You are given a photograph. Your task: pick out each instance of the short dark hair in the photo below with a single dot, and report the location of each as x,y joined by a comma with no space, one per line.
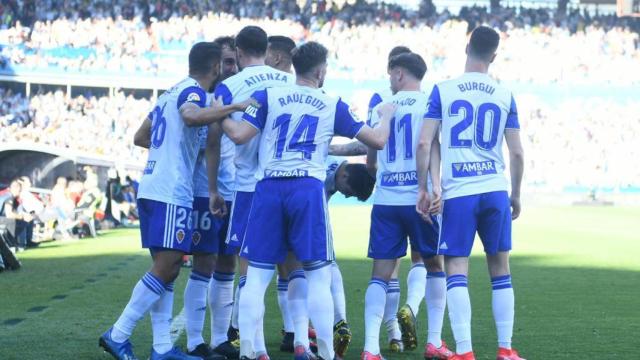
203,56
411,62
281,43
228,41
483,43
399,50
252,40
359,180
307,56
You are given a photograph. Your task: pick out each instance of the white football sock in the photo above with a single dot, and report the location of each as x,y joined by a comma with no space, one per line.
459,312
390,317
416,283
374,305
146,292
259,345
337,292
320,305
252,303
161,313
195,307
236,301
283,304
436,299
503,302
297,294
221,305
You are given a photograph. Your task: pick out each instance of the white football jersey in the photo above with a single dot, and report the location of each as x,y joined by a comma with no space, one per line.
332,164
397,179
474,111
226,168
297,124
237,88
174,147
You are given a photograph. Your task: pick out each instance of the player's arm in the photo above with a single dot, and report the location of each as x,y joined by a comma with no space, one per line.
217,205
192,104
253,120
377,137
516,158
434,173
424,160
354,148
142,137
372,161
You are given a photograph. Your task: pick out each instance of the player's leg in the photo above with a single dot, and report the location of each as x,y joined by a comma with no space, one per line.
416,282
387,243
390,318
310,239
164,228
341,331
297,301
204,248
494,228
456,240
283,304
263,253
221,295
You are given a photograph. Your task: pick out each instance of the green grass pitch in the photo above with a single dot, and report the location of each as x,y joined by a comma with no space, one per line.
576,275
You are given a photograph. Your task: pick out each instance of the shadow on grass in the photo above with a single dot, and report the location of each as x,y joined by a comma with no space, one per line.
561,312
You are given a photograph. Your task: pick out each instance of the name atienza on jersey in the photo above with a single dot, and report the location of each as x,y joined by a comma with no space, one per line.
239,88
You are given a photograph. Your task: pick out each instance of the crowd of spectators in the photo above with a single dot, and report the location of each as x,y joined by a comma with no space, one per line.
76,123
539,45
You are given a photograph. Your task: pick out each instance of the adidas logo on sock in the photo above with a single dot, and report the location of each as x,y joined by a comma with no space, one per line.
444,246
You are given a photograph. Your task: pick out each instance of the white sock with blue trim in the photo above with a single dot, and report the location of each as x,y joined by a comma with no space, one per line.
436,300
298,290
320,305
161,314
236,301
146,292
374,305
221,305
283,304
459,312
416,284
195,307
252,304
392,304
337,292
503,303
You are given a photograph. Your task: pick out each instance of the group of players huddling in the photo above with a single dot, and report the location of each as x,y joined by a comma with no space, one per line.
238,175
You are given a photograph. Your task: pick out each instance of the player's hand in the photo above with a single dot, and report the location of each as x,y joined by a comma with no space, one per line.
217,205
423,205
436,201
387,110
515,207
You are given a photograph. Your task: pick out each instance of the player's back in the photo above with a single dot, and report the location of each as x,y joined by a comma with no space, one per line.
474,110
396,180
239,88
174,147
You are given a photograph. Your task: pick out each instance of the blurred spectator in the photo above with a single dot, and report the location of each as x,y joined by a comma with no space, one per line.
12,209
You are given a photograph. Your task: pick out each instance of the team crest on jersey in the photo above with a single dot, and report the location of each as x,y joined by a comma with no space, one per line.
195,238
180,236
193,97
353,115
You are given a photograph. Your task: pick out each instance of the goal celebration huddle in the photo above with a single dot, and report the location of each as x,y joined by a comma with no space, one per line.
239,176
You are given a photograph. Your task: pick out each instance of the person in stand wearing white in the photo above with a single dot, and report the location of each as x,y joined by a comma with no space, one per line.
475,114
